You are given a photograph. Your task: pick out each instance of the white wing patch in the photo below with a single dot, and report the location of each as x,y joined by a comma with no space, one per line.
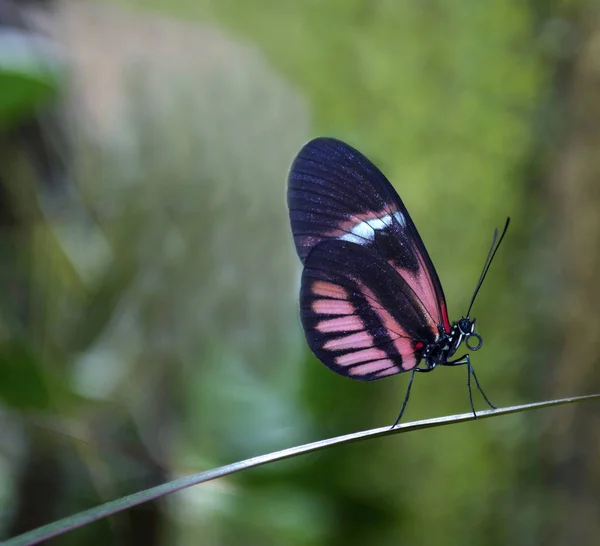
364,232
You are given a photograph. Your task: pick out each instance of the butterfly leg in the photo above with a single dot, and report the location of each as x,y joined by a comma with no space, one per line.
472,370
406,397
469,368
466,359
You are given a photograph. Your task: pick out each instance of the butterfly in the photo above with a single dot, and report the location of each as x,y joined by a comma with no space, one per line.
371,302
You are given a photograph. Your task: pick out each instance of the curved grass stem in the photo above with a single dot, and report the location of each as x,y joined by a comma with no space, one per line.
112,507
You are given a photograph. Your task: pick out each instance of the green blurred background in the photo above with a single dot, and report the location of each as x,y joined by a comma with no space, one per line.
149,318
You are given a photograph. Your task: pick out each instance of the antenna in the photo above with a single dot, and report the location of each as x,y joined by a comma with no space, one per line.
488,261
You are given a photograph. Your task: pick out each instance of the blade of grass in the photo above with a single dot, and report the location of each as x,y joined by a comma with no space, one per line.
112,507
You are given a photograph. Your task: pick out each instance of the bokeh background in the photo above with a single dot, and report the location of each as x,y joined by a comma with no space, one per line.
148,313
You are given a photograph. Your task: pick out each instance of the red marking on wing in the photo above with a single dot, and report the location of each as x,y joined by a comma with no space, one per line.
445,316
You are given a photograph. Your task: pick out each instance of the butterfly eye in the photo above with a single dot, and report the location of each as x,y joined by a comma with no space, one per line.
466,326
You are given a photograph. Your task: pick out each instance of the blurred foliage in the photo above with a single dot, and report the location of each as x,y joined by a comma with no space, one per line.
29,75
156,315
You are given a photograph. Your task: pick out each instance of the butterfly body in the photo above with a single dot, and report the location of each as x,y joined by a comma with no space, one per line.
371,302
440,352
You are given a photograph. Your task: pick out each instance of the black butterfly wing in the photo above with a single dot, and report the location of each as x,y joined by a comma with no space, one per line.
360,317
335,192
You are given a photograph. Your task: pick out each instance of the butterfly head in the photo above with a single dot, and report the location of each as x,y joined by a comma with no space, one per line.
466,327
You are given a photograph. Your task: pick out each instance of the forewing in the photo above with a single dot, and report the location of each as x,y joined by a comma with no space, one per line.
360,317
335,192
